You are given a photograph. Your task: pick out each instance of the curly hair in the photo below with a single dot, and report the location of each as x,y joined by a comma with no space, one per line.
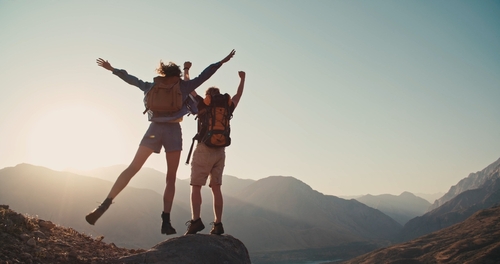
169,70
212,91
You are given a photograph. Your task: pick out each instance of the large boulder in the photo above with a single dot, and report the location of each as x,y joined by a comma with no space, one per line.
199,248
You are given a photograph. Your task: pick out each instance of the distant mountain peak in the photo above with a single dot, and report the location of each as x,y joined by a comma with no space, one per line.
480,193
407,194
473,181
473,241
285,183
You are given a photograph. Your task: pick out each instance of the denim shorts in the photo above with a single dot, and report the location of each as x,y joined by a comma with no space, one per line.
207,162
168,135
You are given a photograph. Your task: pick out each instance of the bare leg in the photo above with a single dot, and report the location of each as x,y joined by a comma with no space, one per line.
141,156
121,182
218,202
195,202
195,225
172,165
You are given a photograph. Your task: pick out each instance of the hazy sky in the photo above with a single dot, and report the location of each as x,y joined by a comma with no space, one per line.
351,97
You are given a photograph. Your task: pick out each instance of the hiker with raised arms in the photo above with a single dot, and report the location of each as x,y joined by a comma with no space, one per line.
165,102
214,114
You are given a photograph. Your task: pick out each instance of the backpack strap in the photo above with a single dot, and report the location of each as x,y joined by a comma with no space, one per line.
194,139
191,104
191,149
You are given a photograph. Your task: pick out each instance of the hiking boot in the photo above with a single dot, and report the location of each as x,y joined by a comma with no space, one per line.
217,229
94,215
194,226
166,227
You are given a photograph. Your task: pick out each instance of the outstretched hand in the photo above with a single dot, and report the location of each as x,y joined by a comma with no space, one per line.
241,74
105,64
228,57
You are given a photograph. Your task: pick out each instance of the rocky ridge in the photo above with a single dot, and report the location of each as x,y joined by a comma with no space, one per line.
27,239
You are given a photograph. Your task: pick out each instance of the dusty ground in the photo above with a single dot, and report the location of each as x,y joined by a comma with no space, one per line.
26,239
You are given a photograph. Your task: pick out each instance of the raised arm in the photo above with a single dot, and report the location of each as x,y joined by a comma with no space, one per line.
239,92
207,73
105,64
130,79
187,66
228,57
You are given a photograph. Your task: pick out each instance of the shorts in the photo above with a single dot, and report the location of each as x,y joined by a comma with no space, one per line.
207,162
168,135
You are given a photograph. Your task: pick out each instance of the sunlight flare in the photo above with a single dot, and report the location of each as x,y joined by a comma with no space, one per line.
77,136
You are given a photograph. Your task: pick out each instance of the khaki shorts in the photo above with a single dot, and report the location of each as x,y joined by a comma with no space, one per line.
207,162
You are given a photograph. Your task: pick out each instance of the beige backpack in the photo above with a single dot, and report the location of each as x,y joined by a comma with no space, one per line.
165,97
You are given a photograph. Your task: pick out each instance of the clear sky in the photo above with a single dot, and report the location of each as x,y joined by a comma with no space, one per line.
351,97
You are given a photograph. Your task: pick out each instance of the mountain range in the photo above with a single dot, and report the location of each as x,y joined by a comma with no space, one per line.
460,207
473,241
473,181
274,214
277,218
401,208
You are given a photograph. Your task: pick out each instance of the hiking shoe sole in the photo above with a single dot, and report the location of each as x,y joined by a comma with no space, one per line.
92,217
168,231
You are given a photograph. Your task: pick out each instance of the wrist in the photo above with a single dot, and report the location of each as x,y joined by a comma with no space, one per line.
186,68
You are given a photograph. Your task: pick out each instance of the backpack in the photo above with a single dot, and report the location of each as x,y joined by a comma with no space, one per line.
213,122
165,97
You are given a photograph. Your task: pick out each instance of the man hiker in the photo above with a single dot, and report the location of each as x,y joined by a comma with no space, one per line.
209,160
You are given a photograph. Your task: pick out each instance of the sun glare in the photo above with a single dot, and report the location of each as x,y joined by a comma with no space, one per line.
73,136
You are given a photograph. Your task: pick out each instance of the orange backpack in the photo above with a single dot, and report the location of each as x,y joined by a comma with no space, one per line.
213,122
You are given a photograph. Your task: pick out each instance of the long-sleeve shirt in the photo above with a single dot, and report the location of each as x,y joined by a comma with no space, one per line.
186,88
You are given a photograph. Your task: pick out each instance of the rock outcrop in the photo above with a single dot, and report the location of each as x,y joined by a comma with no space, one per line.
199,248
